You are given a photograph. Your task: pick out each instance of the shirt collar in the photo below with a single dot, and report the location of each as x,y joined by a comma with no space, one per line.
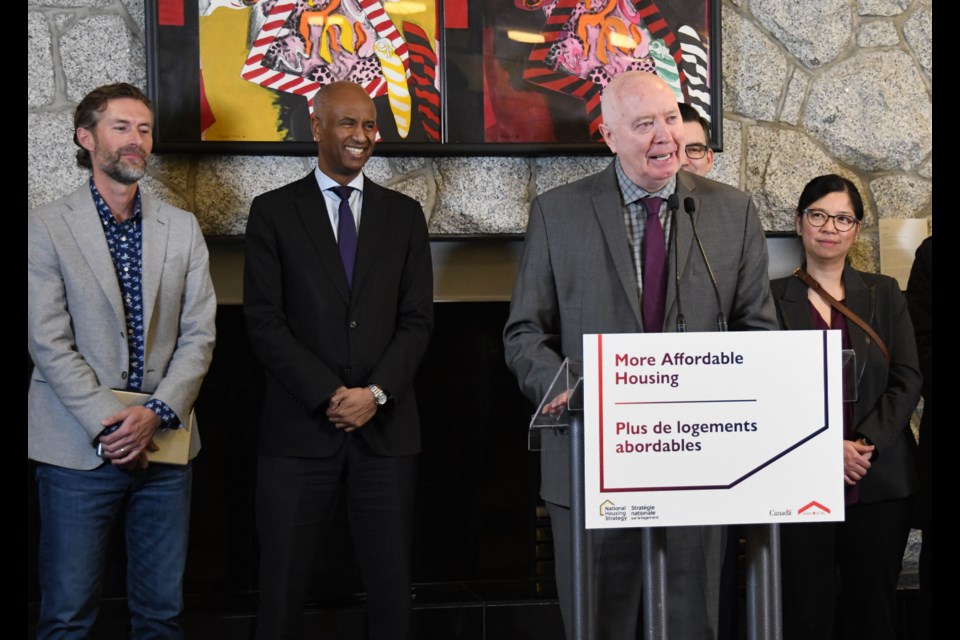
103,209
632,192
326,182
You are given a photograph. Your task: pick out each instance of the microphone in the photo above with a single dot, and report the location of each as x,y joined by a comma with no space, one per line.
690,206
673,203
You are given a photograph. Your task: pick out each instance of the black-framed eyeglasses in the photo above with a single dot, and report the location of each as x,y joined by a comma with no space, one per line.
842,221
695,150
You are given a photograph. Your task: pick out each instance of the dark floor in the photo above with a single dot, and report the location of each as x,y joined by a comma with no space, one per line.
450,611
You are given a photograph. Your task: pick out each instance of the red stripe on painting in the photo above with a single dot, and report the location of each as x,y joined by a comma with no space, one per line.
170,13
206,113
538,55
277,77
455,14
289,85
254,74
647,9
583,89
429,115
657,25
307,88
420,50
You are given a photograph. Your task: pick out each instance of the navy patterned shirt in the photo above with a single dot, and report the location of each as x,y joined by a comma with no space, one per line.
125,240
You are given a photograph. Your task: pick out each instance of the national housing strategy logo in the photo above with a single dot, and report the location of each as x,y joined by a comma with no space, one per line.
813,508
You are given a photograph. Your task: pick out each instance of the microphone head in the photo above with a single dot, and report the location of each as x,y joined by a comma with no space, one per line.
689,205
673,202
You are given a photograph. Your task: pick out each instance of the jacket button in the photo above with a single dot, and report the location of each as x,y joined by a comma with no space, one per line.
353,324
123,375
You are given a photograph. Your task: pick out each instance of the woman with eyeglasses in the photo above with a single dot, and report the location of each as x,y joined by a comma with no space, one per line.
839,579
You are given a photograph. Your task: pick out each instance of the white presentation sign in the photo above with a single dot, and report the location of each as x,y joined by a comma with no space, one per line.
712,428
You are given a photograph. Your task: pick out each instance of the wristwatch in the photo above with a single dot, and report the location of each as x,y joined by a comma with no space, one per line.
378,395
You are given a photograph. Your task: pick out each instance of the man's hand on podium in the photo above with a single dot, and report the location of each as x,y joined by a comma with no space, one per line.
558,404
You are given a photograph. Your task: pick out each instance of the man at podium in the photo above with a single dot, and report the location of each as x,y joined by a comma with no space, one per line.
600,256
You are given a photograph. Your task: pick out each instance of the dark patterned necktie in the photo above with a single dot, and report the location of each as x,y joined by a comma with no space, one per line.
654,267
347,232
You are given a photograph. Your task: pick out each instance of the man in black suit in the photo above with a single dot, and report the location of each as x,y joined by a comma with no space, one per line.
338,298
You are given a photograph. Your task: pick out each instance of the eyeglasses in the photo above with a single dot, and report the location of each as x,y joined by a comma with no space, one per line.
842,222
695,151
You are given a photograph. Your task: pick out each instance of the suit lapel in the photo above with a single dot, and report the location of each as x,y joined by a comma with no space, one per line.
794,308
608,208
87,228
680,226
155,230
373,228
312,211
860,300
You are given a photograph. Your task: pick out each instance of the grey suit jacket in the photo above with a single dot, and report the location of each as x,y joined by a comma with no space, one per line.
576,276
77,331
886,395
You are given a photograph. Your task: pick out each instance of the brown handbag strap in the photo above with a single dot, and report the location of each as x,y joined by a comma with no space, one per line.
808,280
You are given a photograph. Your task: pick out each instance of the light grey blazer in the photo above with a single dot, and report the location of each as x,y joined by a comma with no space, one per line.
76,331
576,276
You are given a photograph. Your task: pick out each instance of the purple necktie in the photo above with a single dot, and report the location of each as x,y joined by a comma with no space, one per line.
654,267
347,232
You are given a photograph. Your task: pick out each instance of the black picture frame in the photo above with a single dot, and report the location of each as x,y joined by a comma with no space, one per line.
480,68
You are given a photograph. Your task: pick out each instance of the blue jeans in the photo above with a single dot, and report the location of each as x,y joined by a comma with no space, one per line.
78,511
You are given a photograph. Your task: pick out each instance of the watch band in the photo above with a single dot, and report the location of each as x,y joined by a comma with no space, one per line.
378,395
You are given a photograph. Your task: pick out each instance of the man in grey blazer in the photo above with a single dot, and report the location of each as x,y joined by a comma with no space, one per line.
119,298
582,271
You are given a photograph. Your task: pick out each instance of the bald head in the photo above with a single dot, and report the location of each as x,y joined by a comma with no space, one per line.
628,86
336,91
642,125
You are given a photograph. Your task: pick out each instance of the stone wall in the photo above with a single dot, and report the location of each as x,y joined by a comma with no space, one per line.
808,87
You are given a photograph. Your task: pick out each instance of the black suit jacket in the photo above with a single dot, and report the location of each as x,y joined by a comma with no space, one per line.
312,333
920,303
886,395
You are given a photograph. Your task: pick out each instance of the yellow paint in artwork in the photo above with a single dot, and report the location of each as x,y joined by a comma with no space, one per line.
423,14
244,111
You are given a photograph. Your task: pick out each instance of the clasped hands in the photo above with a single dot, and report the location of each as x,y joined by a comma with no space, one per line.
856,460
350,409
127,447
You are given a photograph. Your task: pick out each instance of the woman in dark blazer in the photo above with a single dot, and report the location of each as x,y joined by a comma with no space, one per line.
879,473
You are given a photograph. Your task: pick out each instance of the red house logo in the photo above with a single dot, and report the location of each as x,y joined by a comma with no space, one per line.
813,508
